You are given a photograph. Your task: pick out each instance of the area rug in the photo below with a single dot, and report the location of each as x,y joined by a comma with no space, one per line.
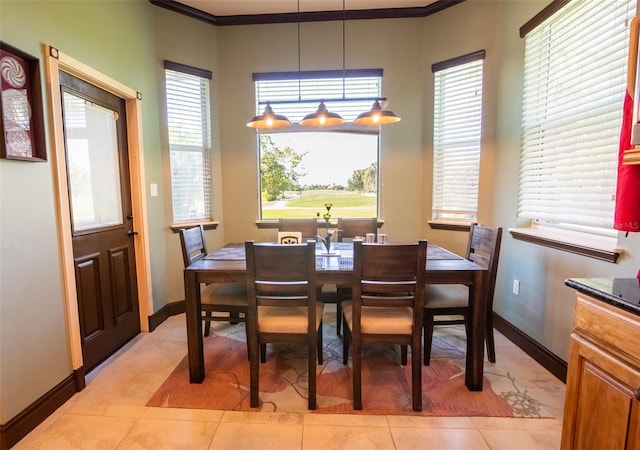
386,385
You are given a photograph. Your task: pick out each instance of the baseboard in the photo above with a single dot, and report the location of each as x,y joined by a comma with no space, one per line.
543,356
22,424
168,310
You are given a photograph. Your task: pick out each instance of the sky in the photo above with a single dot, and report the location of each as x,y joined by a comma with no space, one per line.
332,157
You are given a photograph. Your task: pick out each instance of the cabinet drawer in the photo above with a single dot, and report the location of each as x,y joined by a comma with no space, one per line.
617,330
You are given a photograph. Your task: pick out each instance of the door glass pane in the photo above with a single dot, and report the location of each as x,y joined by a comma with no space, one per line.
92,158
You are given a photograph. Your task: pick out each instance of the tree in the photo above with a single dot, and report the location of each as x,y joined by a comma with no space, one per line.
364,180
280,168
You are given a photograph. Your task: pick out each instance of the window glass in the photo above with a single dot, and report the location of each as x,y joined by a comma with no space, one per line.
574,82
189,127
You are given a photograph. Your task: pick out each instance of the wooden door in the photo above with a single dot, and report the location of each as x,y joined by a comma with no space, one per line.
101,219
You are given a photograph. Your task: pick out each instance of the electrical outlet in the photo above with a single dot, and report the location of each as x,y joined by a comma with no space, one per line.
516,287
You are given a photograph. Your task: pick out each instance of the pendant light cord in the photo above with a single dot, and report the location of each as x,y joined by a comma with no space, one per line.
344,65
299,82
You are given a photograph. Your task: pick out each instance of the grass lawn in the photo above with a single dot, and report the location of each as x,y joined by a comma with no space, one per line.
309,203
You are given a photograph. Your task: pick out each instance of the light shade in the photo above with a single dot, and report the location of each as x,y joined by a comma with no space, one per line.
322,118
269,119
376,116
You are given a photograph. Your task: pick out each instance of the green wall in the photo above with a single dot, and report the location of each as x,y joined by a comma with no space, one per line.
128,41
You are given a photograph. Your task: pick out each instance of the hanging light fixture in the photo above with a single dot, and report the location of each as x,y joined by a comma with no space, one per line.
322,117
376,116
269,119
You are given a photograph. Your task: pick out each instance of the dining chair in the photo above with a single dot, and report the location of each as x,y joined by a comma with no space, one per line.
483,249
350,228
308,227
386,307
289,237
227,298
283,306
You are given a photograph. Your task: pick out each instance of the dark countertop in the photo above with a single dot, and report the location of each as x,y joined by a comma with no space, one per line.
623,293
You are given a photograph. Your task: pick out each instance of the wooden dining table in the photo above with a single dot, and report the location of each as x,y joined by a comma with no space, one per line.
227,264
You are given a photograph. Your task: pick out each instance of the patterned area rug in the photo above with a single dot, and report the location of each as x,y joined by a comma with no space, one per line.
386,384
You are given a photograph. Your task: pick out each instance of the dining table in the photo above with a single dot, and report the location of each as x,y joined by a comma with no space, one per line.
227,264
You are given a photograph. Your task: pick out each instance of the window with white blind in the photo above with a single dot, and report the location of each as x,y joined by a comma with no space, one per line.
574,82
302,168
457,121
189,125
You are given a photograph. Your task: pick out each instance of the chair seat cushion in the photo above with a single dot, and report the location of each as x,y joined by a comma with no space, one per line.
380,320
232,294
280,319
446,296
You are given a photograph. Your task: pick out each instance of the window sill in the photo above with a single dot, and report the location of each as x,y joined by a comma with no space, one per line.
452,226
207,224
598,247
275,223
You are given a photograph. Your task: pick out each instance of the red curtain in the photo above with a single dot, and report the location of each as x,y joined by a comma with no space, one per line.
627,211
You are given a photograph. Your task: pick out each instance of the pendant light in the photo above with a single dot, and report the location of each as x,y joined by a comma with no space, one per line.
269,119
322,117
376,116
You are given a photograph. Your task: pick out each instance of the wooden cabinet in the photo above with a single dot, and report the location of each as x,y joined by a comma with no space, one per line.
602,404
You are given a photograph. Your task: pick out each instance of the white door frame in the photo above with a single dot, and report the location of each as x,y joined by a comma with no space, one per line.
57,61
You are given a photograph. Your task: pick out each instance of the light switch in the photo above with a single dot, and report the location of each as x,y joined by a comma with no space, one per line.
154,190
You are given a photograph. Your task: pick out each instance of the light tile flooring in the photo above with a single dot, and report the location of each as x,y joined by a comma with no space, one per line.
110,413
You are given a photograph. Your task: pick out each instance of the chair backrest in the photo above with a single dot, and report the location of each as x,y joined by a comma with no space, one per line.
289,237
351,227
281,275
484,249
308,227
389,275
194,247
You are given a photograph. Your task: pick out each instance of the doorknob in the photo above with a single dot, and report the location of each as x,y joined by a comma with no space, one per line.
131,233
637,392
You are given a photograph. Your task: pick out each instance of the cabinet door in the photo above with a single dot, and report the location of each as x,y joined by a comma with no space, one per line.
601,410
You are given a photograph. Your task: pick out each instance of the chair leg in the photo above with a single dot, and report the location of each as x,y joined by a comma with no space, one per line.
338,315
357,373
207,323
254,374
491,346
234,317
319,344
428,337
416,374
311,363
263,353
403,355
346,342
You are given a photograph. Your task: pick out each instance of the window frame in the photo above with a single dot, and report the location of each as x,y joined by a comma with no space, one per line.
599,243
303,100
440,218
203,77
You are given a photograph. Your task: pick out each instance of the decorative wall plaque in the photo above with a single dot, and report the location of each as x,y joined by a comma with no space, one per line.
22,123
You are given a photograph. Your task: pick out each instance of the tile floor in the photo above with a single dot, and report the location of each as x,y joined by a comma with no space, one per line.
110,413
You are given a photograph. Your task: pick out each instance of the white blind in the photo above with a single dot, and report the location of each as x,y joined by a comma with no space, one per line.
189,126
456,139
574,84
295,95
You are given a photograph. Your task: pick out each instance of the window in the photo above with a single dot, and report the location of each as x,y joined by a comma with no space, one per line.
189,125
574,83
457,120
302,168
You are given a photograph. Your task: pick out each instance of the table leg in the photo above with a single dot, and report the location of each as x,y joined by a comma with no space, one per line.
194,327
475,340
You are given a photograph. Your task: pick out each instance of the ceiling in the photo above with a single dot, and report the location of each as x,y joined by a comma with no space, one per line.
245,12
